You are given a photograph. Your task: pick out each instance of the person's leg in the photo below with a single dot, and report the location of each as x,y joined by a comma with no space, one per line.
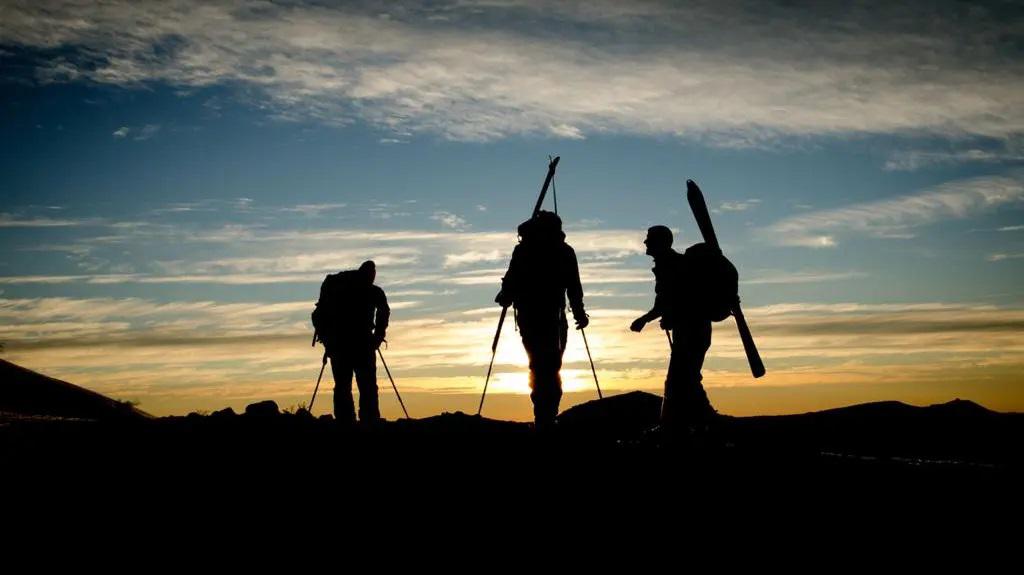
686,402
695,399
366,379
542,344
341,368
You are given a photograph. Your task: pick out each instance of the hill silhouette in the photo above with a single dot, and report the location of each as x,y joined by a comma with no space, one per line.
26,393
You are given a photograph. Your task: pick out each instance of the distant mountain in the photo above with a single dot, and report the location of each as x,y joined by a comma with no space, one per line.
957,407
24,392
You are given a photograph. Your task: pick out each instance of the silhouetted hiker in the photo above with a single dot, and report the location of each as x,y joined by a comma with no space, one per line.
677,303
542,271
351,319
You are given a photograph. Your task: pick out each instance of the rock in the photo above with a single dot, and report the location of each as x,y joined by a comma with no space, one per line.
619,416
226,412
266,408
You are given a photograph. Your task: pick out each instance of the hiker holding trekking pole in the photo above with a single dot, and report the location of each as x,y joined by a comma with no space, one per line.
351,319
543,271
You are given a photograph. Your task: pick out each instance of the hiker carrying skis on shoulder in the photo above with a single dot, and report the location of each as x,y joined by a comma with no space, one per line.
543,271
677,302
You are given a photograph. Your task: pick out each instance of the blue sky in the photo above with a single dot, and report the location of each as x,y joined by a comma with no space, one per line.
176,179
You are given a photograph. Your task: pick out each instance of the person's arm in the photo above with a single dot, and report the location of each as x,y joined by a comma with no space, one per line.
574,289
509,283
657,311
382,318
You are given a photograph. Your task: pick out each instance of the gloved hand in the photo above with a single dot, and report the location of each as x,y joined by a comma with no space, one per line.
638,324
378,338
582,320
502,299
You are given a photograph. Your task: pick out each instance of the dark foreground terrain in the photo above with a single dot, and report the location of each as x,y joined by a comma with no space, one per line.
601,452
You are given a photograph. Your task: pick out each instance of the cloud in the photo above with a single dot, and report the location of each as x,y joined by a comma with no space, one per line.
897,217
450,220
1004,151
1002,257
140,133
802,277
406,256
567,131
740,206
1011,228
313,209
474,257
12,221
732,74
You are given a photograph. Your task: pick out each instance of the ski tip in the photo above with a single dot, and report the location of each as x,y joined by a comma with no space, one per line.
692,185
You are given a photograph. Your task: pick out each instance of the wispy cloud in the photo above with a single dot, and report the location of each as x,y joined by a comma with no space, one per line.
801,277
1002,257
740,206
729,73
137,133
474,257
450,220
897,217
1011,228
313,209
12,221
1011,150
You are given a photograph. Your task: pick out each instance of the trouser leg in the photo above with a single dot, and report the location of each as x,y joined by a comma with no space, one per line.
544,345
366,379
686,403
344,408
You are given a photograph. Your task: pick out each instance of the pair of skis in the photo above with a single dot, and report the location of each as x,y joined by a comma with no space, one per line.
552,166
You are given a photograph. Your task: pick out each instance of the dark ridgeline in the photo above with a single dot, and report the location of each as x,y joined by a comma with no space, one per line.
351,320
884,440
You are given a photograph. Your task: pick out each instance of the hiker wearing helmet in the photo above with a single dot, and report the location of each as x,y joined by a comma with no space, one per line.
542,272
351,319
677,283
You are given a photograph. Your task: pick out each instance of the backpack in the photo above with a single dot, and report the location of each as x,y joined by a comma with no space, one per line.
715,281
334,291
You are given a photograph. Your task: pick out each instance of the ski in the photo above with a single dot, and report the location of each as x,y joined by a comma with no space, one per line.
700,212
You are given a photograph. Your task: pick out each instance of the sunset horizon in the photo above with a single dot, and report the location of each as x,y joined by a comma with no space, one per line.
179,178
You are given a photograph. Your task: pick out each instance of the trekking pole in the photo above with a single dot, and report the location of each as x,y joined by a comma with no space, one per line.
591,358
668,334
395,387
317,388
494,351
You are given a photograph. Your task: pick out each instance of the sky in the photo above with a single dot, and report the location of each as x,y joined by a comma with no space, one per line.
177,177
